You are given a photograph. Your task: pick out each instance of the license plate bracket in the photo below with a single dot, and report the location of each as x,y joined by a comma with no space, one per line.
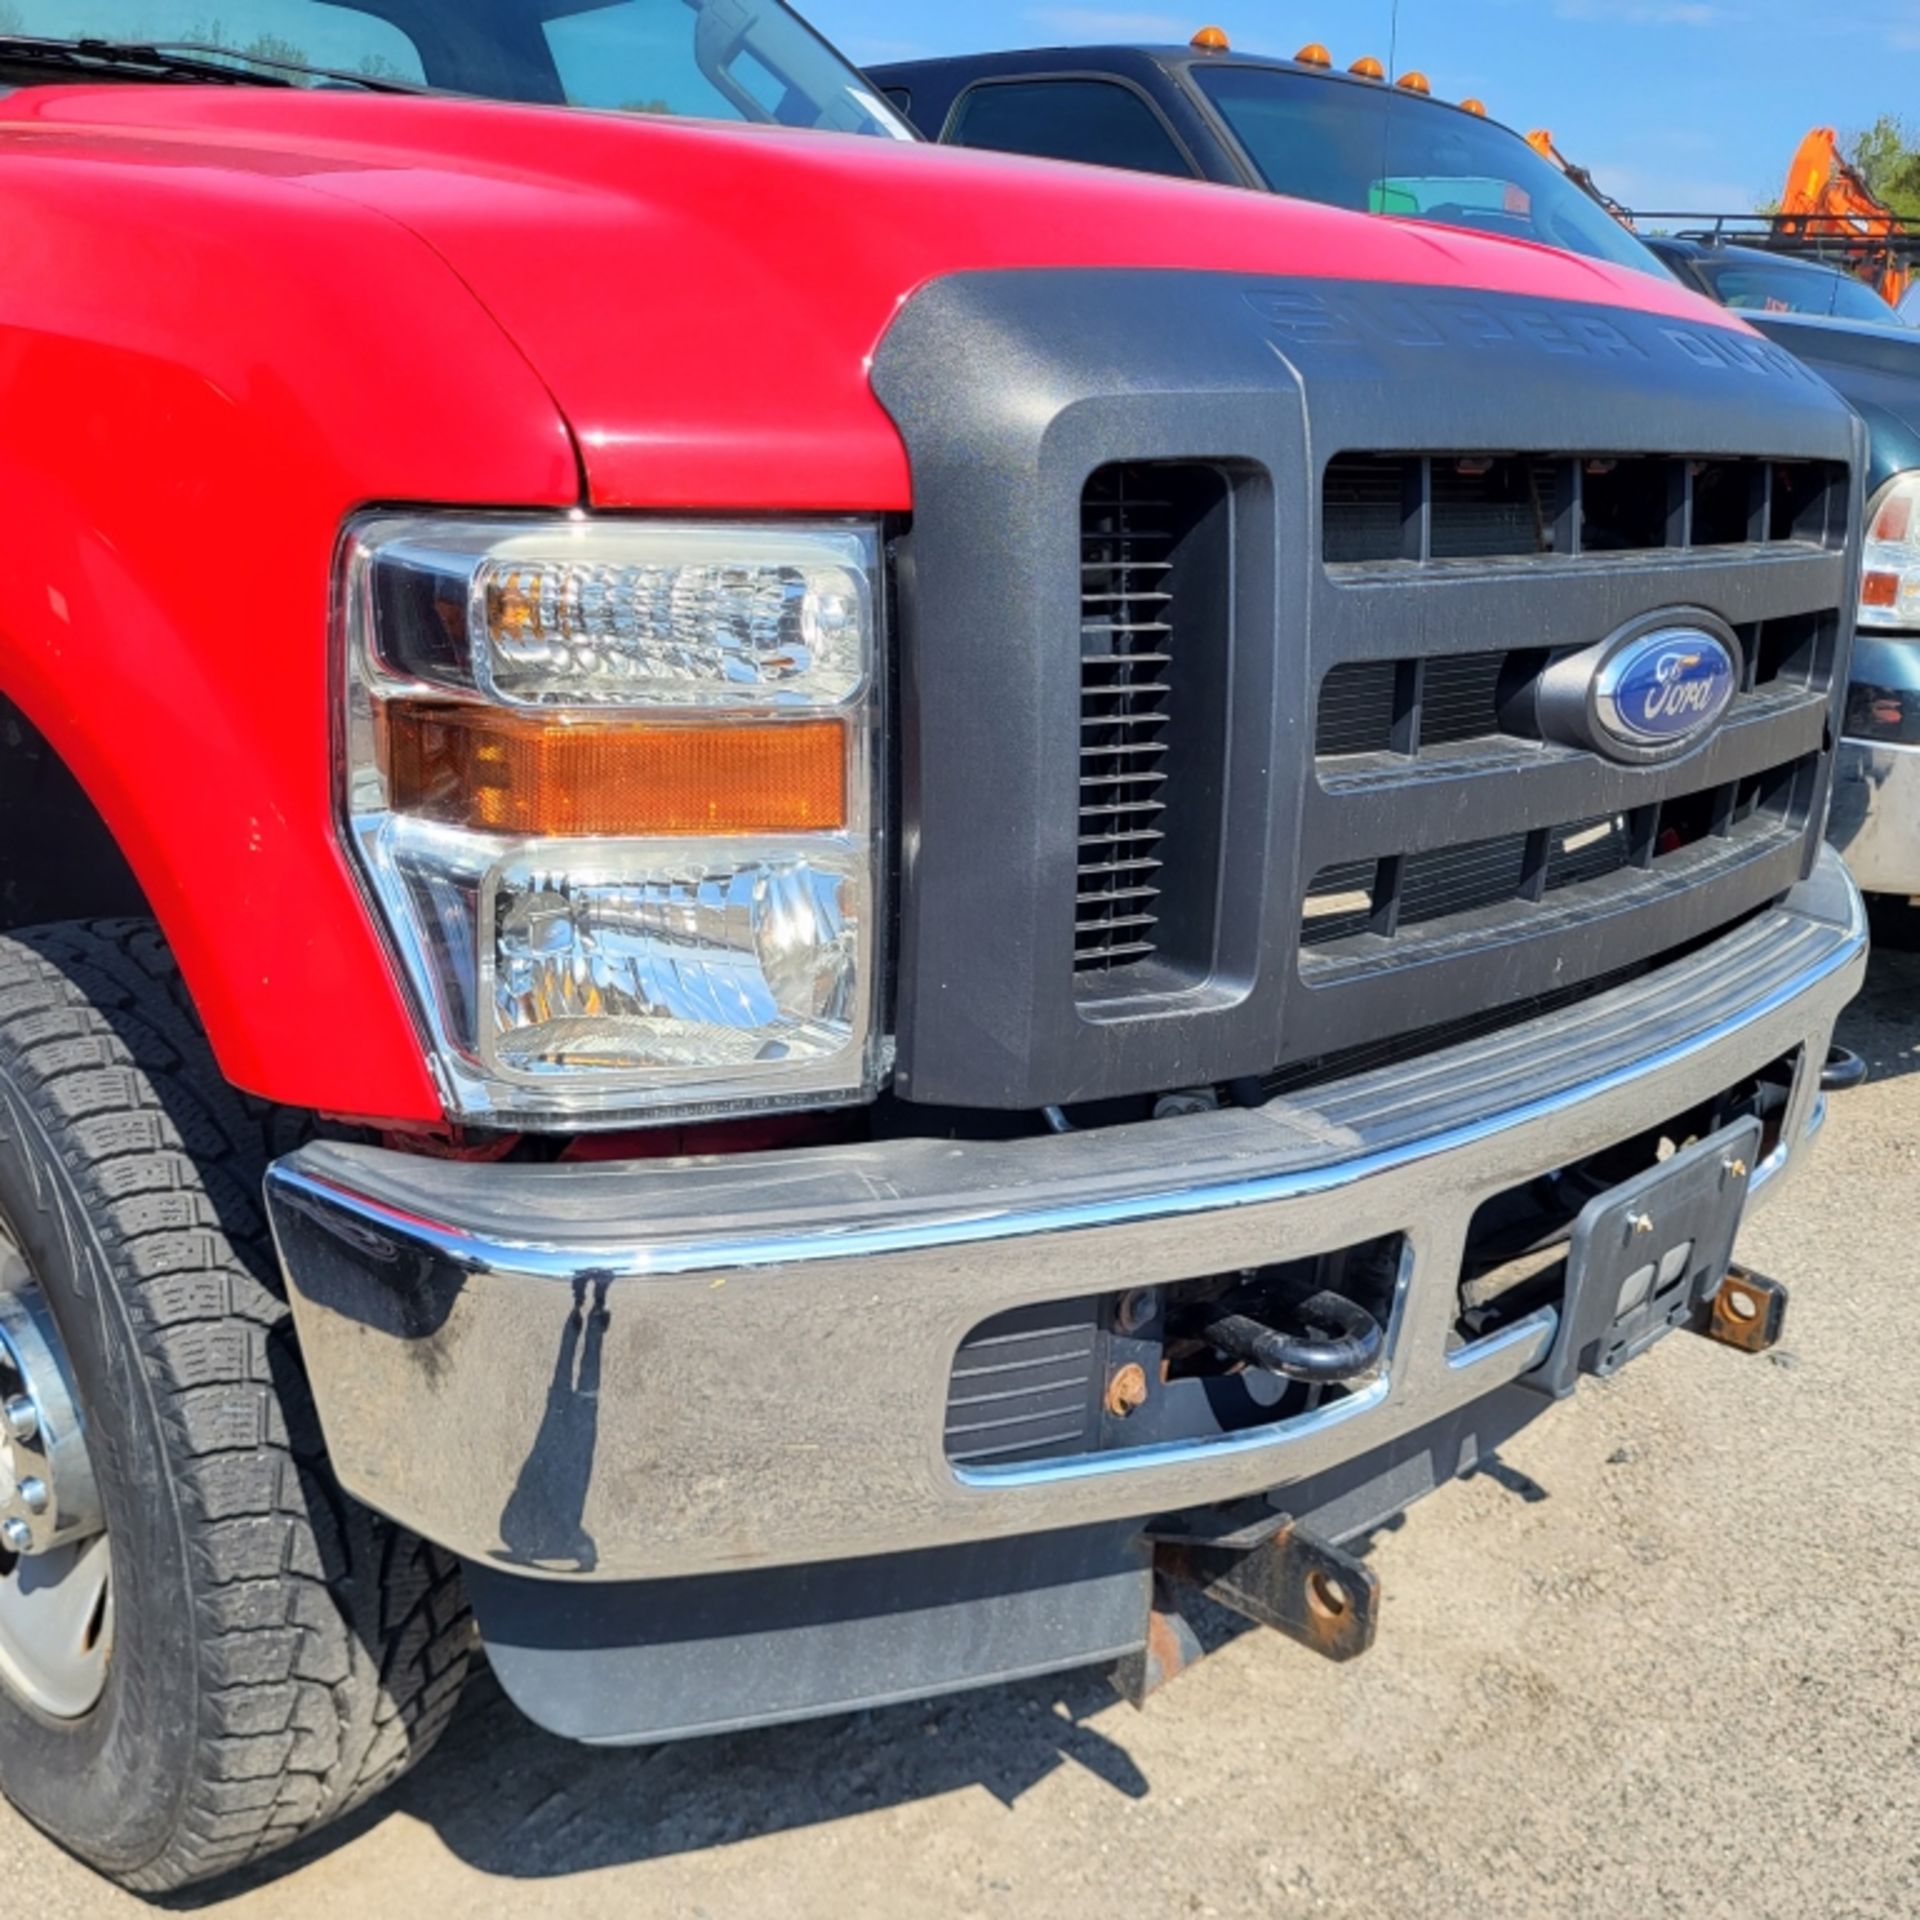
1647,1255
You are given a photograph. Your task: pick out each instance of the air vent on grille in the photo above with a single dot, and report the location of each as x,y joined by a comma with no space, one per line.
1152,677
1126,639
1381,508
1024,1385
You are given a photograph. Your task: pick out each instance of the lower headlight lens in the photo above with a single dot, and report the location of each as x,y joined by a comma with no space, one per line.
692,963
1890,570
621,896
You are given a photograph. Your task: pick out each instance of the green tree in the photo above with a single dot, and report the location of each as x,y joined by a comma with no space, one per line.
1887,156
270,46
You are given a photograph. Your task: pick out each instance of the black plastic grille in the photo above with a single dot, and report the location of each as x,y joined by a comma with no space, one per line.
1368,911
1413,509
1415,706
1127,534
1163,382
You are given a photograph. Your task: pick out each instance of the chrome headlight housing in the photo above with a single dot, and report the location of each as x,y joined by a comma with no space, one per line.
1890,569
611,784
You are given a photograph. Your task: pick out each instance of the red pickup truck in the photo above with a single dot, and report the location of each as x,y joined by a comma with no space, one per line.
797,916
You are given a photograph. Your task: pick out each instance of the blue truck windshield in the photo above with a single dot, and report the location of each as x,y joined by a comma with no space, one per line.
1787,288
1377,151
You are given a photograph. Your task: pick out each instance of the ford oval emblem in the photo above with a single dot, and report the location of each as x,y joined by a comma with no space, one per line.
1665,689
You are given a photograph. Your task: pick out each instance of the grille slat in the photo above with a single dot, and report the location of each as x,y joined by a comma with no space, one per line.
1465,697
1434,893
1448,508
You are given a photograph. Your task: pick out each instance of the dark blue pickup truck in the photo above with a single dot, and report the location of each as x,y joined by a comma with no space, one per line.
1353,139
1299,127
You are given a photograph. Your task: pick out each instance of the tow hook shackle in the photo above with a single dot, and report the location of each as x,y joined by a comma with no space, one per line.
1341,1341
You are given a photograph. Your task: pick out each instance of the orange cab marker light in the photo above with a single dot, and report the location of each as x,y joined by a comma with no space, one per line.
1880,590
497,772
1478,108
1213,40
1368,68
1313,54
1414,83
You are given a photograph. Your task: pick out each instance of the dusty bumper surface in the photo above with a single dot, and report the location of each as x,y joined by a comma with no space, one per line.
642,1372
1876,814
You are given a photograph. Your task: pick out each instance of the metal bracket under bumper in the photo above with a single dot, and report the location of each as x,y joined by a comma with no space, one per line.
638,1372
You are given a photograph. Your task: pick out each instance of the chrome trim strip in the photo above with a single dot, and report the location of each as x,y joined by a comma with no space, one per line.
1875,820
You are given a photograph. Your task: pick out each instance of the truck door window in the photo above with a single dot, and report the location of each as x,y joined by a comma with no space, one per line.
1098,122
1793,289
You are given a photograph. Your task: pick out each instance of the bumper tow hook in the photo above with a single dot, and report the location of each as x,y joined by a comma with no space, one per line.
1747,1313
1274,1573
1343,1341
1844,1071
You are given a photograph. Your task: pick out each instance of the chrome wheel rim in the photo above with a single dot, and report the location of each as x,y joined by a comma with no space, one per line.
56,1587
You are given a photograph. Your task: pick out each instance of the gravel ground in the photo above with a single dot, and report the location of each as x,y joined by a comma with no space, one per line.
1665,1659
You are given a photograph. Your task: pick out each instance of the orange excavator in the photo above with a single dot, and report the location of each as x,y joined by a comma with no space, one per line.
1827,213
1541,141
1827,198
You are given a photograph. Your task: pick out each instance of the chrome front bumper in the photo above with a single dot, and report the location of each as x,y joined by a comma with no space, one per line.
641,1371
1876,815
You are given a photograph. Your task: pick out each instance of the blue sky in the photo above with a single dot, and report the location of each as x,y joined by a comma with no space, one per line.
1680,104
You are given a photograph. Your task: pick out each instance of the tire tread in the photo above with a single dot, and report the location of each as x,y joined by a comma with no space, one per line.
332,1646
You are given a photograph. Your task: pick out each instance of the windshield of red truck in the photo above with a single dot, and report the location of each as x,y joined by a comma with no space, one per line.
1374,150
751,60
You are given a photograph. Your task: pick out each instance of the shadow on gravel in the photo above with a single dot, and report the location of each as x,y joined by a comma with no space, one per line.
511,1801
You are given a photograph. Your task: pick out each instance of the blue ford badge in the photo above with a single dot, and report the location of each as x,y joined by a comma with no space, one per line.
1665,689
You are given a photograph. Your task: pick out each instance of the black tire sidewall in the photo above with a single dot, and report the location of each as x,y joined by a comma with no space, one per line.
107,1784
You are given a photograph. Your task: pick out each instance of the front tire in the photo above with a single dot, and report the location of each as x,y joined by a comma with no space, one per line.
275,1654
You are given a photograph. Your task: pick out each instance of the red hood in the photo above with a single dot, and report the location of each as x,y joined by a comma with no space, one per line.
702,301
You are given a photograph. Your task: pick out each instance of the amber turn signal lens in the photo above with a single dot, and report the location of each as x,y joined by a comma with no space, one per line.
493,772
1880,590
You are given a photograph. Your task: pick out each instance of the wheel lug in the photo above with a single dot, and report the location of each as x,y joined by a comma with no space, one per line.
22,1418
17,1535
34,1493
